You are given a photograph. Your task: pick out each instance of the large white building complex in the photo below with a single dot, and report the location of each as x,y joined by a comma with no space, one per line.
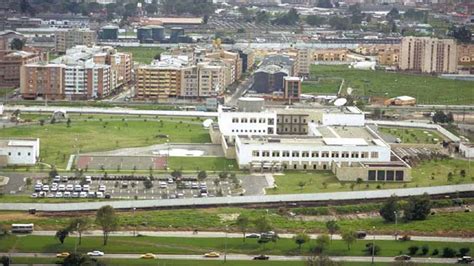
19,151
332,138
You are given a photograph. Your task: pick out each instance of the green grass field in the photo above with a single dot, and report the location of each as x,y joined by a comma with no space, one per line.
427,89
176,245
202,163
325,181
457,223
412,135
322,86
142,54
58,141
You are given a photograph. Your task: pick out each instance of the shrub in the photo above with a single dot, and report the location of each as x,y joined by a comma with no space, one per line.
413,250
424,250
464,251
435,252
449,252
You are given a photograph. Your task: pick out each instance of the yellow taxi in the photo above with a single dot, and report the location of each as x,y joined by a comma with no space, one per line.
212,255
62,255
148,256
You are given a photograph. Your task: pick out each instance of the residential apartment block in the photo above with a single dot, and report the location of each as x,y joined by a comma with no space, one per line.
466,58
68,38
428,55
11,63
82,73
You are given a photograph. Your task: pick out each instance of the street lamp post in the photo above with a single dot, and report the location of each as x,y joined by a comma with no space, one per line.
135,224
77,238
373,244
396,224
225,243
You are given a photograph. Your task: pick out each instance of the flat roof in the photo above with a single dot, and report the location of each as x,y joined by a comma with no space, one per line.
17,142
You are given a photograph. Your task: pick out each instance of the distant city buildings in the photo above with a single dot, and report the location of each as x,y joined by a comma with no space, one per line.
68,38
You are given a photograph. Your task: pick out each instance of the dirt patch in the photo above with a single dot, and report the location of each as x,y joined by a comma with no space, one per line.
228,217
18,216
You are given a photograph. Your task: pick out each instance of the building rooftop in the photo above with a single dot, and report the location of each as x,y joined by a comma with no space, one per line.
18,142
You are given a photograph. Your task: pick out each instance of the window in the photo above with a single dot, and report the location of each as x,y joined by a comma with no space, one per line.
364,155
235,120
305,154
261,120
265,154
399,175
286,154
243,120
390,175
374,154
335,154
371,176
295,154
345,155
325,154
380,175
355,155
19,154
275,154
315,154
256,153
9,154
29,153
253,120
271,121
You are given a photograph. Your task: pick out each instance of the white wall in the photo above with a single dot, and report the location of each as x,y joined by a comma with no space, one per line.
466,150
22,154
245,156
260,127
338,119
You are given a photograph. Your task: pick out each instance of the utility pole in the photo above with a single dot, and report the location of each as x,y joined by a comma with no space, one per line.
373,245
225,244
396,223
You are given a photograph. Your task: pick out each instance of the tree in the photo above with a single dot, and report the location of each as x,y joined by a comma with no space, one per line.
68,122
315,20
324,4
332,227
356,14
448,252
417,208
321,260
412,250
393,14
243,223
462,34
147,183
301,184
300,239
349,237
464,251
371,249
462,173
5,260
107,220
3,229
17,44
202,175
389,209
322,241
339,23
75,259
262,17
79,225
177,174
425,249
25,7
53,173
62,234
262,224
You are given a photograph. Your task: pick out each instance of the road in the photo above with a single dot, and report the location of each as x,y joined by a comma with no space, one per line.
239,91
240,257
190,234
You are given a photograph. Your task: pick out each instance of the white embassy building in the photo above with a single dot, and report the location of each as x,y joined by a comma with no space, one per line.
19,151
308,139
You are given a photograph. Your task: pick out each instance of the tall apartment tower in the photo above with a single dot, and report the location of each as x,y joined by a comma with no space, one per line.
68,38
303,62
428,55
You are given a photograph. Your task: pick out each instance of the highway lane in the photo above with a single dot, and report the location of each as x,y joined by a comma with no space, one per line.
241,257
203,234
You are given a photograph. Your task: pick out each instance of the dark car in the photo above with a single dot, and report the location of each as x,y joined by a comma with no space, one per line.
252,236
361,234
465,260
403,257
261,257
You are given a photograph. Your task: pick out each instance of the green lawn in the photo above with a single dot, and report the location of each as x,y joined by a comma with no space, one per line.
176,245
325,181
58,141
190,262
458,223
413,135
427,89
5,91
321,86
142,54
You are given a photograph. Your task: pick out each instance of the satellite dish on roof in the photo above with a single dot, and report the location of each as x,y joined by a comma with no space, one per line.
340,102
349,90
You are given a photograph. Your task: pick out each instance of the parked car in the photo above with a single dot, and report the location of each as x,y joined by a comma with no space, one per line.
102,188
61,187
212,254
361,234
70,187
83,194
95,253
78,188
405,238
252,236
88,179
45,188
261,257
67,194
402,257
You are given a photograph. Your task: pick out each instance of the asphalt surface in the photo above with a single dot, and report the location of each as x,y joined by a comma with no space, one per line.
239,257
188,234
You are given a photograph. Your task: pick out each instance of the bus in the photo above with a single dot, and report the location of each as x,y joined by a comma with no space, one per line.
22,228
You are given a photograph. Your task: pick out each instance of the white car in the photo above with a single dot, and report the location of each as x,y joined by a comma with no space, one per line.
75,194
163,185
78,188
51,195
170,181
83,195
59,195
70,187
61,187
54,189
86,188
100,195
96,253
34,195
102,188
88,179
45,188
67,194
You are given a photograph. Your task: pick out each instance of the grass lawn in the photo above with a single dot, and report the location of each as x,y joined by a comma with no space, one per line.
58,141
412,135
176,245
427,89
5,91
202,163
142,54
321,86
190,262
216,219
325,181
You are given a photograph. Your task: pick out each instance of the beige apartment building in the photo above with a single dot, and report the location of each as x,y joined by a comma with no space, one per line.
466,58
330,55
428,55
158,81
10,66
211,79
68,38
303,61
42,80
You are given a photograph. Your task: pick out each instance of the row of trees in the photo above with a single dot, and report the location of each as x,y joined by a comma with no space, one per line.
106,219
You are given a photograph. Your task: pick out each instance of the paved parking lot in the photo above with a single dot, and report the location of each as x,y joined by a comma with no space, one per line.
131,187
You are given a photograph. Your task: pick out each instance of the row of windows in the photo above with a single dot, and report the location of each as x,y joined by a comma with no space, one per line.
248,131
314,154
252,120
19,154
382,175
